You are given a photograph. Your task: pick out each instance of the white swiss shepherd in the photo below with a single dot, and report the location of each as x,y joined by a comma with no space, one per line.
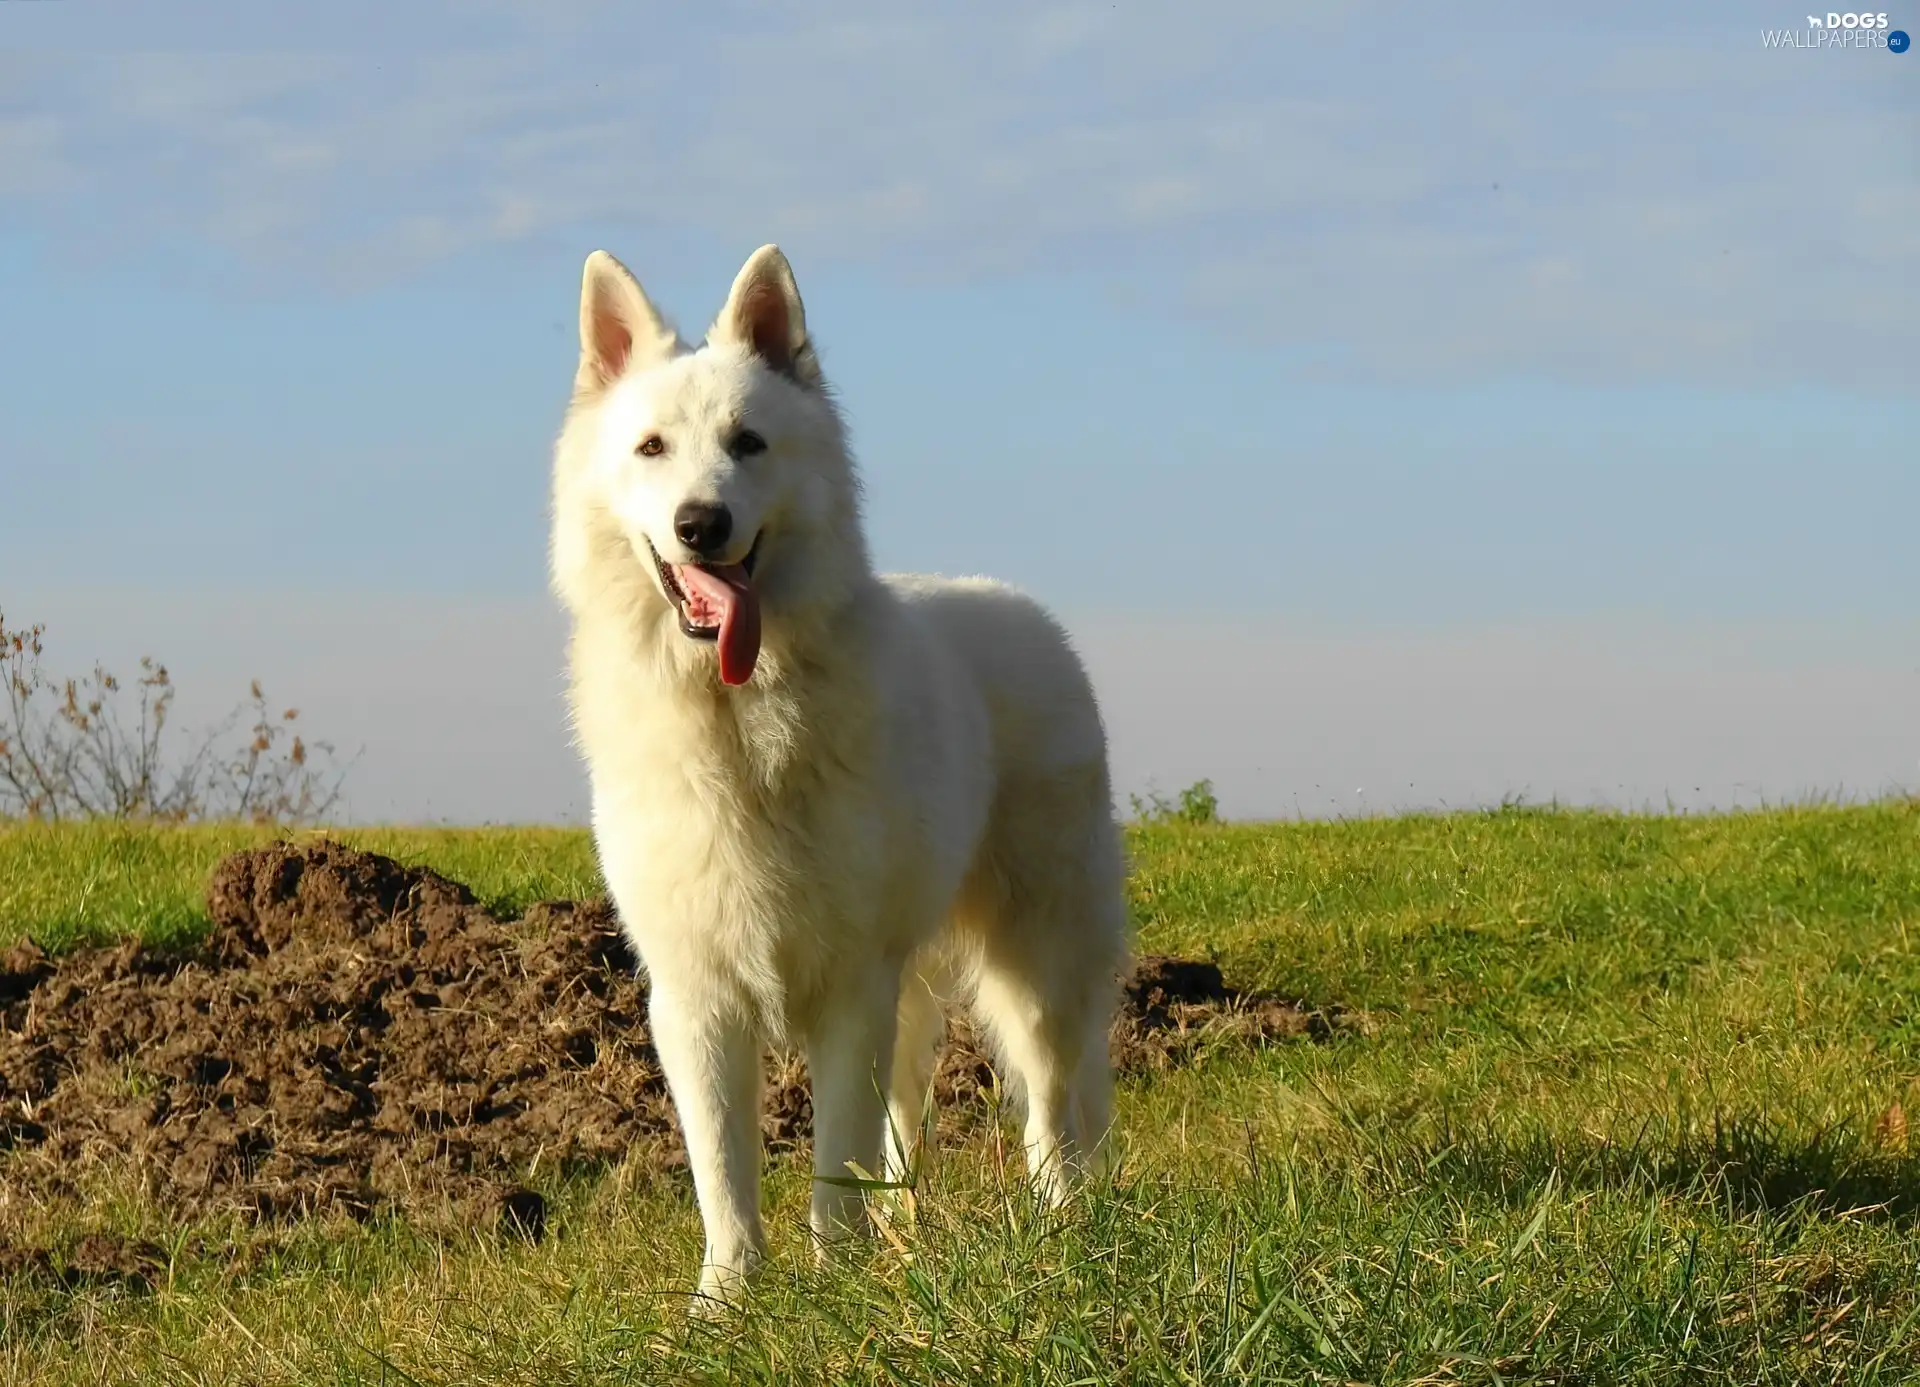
825,801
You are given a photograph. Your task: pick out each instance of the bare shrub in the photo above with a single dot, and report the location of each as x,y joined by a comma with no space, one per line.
95,747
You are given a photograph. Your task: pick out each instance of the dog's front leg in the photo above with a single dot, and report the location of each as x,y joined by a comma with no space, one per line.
849,1058
711,1056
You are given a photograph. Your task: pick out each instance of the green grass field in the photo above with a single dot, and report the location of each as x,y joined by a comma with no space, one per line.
1630,1108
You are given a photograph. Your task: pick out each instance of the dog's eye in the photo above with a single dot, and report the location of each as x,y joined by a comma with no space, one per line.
651,446
747,443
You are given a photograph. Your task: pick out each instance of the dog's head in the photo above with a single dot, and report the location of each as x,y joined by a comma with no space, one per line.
720,470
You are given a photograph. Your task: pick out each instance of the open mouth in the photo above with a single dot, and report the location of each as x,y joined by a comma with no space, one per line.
717,602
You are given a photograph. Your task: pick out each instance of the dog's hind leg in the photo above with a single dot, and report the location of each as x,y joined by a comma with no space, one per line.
1093,1098
915,1049
1042,1046
1047,910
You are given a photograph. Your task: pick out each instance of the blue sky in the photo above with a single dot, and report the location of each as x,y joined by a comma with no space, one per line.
1541,388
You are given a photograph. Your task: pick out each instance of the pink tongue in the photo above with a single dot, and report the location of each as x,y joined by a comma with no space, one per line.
729,593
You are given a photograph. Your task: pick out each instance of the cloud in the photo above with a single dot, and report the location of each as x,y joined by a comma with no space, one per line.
1426,198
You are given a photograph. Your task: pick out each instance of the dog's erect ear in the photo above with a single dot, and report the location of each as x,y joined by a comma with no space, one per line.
764,313
618,326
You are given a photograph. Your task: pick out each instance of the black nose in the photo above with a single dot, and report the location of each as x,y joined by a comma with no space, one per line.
703,527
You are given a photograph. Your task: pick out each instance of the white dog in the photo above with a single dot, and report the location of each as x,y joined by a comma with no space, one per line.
824,801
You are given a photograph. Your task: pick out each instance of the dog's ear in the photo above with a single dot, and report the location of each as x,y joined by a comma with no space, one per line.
764,314
618,326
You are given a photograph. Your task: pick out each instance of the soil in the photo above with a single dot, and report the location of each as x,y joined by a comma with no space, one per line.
355,1035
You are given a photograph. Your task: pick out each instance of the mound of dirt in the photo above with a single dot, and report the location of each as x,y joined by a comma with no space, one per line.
356,1034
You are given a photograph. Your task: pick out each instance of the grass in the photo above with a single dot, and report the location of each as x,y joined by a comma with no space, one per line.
1631,1109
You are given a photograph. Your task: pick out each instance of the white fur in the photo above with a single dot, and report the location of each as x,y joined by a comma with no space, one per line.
907,804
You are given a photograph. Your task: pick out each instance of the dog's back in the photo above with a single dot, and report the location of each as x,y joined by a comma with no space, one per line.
1039,699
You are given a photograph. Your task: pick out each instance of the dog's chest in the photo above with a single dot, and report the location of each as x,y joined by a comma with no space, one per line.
764,906
758,846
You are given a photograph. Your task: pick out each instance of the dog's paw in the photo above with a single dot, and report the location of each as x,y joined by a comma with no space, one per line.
722,1288
710,1305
